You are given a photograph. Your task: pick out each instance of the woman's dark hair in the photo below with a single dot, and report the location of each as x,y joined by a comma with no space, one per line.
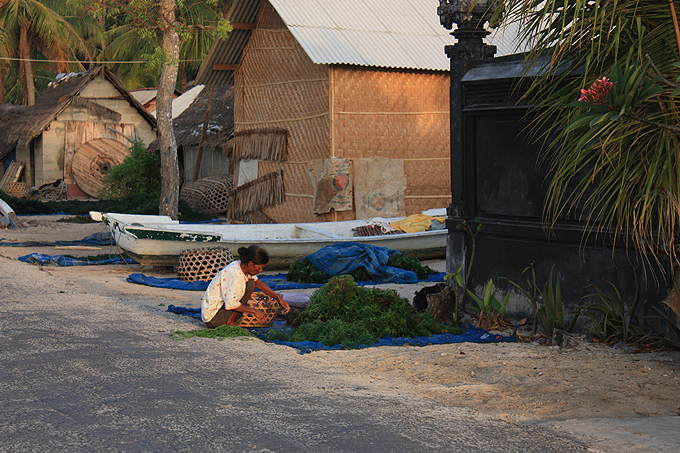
255,253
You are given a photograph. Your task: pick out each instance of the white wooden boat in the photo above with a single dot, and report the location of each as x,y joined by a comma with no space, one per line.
159,240
8,212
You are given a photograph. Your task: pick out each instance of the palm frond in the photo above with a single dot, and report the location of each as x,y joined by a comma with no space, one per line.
617,170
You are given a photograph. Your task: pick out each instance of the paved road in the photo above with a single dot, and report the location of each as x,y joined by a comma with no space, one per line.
84,370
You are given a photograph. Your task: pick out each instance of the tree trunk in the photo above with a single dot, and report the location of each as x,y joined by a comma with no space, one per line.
168,146
25,67
3,74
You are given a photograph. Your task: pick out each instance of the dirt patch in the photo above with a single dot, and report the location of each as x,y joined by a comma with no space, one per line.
525,381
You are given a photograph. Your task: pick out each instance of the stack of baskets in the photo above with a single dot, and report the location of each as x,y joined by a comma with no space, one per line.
202,264
264,303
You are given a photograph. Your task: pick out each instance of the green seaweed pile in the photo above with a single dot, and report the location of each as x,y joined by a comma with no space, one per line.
303,271
341,312
220,333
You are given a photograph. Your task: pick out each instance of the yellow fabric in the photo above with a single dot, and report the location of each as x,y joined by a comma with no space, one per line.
415,223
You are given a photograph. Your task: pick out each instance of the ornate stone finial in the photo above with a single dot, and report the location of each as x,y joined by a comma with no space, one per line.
468,14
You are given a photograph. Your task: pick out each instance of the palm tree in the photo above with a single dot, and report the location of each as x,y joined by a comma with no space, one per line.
163,23
35,31
132,45
608,100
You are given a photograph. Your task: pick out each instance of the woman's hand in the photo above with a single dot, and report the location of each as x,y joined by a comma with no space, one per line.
284,304
261,317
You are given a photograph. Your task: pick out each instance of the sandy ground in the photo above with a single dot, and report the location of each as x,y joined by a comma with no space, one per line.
515,381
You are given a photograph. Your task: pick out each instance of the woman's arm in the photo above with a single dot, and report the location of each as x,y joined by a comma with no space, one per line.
258,314
268,291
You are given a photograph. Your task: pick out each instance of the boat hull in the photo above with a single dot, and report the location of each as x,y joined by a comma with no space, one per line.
160,244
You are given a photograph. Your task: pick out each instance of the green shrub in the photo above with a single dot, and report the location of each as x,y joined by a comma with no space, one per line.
139,173
612,322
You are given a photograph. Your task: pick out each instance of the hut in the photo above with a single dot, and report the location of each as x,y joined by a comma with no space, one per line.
203,124
81,126
345,102
9,113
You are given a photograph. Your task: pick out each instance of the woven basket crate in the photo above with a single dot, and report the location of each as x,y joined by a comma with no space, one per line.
264,303
209,195
202,264
17,189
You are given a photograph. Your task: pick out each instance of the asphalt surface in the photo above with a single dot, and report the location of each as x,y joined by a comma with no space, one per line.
85,370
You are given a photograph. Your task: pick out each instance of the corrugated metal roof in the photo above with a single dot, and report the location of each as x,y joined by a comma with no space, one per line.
180,103
229,51
394,34
144,95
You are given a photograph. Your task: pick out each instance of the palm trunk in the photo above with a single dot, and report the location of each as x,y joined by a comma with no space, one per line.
168,145
3,73
25,67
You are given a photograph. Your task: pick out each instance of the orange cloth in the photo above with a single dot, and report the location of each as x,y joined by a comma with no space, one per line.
415,223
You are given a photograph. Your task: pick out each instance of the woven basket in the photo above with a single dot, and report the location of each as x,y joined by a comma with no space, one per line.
17,189
209,195
202,264
261,302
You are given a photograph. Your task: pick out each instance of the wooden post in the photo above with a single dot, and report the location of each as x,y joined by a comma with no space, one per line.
199,157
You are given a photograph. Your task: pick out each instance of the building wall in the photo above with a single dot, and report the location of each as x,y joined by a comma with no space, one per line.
49,154
52,159
278,86
213,162
341,111
397,114
103,92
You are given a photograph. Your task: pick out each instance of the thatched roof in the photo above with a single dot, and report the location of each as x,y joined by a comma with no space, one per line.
9,113
189,125
61,93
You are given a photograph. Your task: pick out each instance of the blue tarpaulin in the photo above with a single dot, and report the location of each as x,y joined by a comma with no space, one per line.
276,282
61,260
346,257
472,334
97,239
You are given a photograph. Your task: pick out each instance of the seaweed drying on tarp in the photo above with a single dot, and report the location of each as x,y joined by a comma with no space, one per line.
303,271
341,312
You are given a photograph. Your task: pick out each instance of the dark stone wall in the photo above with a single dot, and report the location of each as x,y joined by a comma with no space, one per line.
504,187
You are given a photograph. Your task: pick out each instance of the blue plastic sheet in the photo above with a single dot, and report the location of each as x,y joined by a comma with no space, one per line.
345,257
97,240
472,334
60,260
276,282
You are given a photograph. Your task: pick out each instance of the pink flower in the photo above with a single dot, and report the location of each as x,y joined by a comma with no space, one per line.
597,92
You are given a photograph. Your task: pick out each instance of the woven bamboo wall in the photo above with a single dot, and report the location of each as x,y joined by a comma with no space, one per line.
398,114
278,86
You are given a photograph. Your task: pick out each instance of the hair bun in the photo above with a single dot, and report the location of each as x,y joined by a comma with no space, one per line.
242,251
